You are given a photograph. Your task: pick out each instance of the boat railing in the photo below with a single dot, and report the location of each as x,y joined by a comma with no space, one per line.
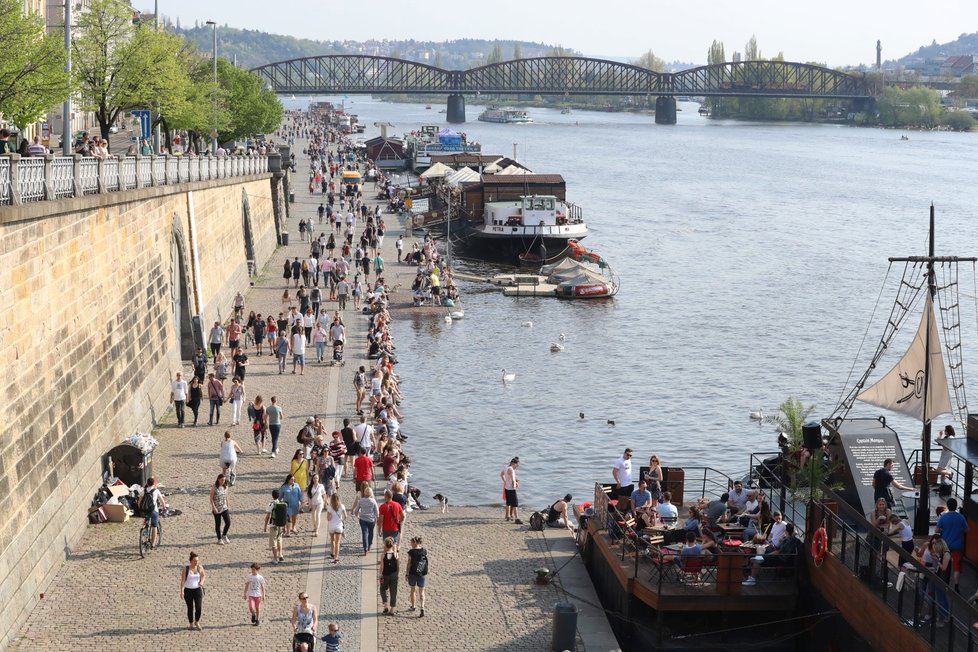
956,468
575,214
703,482
879,562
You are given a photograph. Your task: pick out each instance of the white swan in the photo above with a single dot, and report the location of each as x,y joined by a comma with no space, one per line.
561,337
756,416
508,377
556,348
527,324
448,319
458,314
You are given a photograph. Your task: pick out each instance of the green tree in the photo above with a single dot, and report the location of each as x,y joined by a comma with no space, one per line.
32,74
714,56
751,52
206,107
252,109
790,418
959,120
560,51
517,51
651,62
118,66
967,88
439,60
912,107
496,56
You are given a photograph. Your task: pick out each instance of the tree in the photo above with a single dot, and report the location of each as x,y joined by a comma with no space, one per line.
517,51
206,107
559,51
252,108
967,88
912,107
791,417
496,56
651,62
32,68
118,66
715,56
751,53
959,120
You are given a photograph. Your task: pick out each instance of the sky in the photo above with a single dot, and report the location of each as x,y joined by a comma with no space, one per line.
833,32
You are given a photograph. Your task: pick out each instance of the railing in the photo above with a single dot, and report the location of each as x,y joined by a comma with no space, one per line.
705,482
956,467
867,554
34,179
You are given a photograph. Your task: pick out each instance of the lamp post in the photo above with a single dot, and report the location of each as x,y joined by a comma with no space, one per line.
214,101
66,140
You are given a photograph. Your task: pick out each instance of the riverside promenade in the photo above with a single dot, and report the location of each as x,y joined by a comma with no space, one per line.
480,595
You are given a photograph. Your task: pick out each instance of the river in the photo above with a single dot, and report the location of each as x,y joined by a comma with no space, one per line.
751,256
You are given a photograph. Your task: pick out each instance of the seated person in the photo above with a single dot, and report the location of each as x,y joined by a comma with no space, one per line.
666,510
751,508
642,504
715,510
558,514
690,549
777,532
710,546
784,556
693,521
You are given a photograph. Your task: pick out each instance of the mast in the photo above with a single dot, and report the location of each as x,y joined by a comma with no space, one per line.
921,525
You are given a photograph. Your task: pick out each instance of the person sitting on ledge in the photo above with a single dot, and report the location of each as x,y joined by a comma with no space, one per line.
558,514
784,556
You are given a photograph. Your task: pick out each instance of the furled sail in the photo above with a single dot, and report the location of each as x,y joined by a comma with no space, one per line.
902,388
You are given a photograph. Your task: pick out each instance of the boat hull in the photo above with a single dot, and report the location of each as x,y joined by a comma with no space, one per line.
508,246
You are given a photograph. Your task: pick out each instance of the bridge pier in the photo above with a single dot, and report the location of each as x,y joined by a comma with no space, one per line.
665,110
456,108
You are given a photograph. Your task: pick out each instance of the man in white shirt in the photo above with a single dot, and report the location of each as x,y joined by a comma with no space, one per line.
297,346
622,473
666,509
178,394
364,433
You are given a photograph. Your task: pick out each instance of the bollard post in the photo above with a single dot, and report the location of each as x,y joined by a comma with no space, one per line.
76,184
16,196
49,176
139,177
564,634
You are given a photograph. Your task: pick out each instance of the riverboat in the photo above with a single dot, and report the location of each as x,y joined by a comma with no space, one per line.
504,115
431,140
530,223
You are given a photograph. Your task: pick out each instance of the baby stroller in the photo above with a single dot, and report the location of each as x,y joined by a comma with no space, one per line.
338,352
298,639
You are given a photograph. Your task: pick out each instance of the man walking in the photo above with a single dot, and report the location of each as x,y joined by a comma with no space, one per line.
216,339
510,484
275,415
178,394
215,393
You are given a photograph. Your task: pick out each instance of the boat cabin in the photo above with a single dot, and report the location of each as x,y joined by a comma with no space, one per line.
532,210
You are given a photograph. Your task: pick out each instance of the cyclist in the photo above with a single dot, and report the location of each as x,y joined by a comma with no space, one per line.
154,515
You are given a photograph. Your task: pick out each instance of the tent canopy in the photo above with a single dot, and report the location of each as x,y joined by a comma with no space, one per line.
514,169
437,170
462,175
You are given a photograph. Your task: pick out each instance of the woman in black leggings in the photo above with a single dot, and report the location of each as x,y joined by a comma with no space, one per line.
221,509
192,590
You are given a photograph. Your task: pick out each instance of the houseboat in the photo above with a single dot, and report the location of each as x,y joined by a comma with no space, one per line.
504,115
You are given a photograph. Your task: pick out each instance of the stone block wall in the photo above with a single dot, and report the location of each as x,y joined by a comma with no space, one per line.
89,342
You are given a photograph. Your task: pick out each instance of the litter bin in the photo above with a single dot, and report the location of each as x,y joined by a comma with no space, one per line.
291,197
285,238
564,635
130,465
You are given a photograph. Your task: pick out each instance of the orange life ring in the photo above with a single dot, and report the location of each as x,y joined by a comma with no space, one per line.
820,545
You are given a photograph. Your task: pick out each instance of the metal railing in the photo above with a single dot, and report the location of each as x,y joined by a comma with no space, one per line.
33,179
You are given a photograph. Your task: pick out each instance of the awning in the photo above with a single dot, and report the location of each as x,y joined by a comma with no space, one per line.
436,171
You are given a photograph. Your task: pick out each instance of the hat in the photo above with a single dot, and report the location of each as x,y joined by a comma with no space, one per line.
309,419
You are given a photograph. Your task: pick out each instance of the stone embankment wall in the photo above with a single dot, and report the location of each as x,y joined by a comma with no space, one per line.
97,296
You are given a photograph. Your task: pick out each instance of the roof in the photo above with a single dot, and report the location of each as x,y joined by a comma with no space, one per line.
377,140
516,179
467,159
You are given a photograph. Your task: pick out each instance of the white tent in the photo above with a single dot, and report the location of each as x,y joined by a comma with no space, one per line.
514,169
462,175
492,168
437,170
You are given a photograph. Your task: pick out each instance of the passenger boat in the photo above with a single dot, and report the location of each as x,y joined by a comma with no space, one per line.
504,115
517,226
431,140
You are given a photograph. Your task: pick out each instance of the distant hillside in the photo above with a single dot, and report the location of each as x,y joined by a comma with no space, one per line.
254,48
964,44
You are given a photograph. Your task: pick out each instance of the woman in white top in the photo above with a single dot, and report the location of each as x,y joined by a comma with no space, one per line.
335,513
192,589
229,457
237,394
316,492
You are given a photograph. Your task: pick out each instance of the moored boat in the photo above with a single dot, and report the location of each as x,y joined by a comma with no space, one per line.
504,115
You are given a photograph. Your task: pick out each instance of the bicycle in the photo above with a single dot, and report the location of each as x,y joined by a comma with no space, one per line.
146,536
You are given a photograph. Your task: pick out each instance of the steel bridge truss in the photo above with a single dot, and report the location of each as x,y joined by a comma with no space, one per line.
331,74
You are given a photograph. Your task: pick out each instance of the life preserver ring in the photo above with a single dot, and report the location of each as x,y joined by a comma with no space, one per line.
820,545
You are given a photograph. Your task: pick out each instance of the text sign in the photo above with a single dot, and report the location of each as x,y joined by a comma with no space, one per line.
865,453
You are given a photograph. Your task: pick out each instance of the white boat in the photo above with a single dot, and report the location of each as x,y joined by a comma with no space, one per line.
505,115
511,227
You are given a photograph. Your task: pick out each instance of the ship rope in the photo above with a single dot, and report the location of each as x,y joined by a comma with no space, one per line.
914,280
949,307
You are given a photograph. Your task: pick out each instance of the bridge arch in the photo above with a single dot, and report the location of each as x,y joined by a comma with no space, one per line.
561,75
180,290
354,73
768,79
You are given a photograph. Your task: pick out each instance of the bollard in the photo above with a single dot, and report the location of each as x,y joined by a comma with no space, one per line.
564,635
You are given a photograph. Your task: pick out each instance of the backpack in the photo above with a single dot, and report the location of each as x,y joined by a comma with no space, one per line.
329,474
536,521
421,564
300,438
280,513
147,504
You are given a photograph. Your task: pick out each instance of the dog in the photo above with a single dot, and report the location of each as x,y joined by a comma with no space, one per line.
443,501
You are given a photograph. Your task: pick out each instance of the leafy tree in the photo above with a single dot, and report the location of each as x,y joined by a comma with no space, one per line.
438,62
791,416
32,75
959,120
714,56
913,107
967,88
252,108
517,51
751,52
118,66
206,107
496,56
560,51
651,62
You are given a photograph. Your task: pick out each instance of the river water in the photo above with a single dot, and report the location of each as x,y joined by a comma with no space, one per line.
751,257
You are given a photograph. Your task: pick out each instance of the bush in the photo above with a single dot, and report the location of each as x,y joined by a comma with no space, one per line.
959,120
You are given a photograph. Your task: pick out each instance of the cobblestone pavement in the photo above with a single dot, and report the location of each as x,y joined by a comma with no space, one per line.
481,591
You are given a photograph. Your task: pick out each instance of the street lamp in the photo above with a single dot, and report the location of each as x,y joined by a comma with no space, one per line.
214,102
66,136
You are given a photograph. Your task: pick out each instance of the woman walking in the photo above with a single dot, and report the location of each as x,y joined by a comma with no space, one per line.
236,395
300,469
417,573
287,271
304,617
319,337
229,457
271,334
336,514
388,576
221,509
292,495
366,510
316,493
255,593
221,367
215,394
196,396
281,350
259,424
192,590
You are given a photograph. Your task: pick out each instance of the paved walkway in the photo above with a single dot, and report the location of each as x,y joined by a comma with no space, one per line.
481,590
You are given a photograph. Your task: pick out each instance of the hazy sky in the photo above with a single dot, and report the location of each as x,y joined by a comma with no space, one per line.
835,32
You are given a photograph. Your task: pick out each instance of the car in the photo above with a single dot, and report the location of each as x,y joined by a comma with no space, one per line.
113,129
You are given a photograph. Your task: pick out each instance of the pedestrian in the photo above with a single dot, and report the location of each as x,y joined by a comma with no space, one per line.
291,493
297,346
259,328
417,573
200,364
302,229
304,617
229,457
255,592
316,493
366,510
296,271
275,415
221,367
315,298
400,247
221,509
342,292
216,338
282,350
320,335
332,638
215,394
510,484
234,337
271,333
300,469
276,520
287,273
363,468
336,515
196,395
357,292
259,424
192,590
240,359
388,576
236,395
178,394
390,518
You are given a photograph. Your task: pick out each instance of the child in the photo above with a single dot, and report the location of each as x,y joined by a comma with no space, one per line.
332,638
285,298
255,592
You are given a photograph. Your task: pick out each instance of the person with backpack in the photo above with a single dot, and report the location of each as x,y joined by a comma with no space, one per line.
388,576
417,573
276,518
149,506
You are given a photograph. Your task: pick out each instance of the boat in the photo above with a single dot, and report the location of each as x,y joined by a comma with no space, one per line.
565,111
504,115
532,224
582,275
427,106
432,140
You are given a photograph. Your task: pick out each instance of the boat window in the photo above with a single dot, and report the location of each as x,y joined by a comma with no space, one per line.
550,204
538,205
